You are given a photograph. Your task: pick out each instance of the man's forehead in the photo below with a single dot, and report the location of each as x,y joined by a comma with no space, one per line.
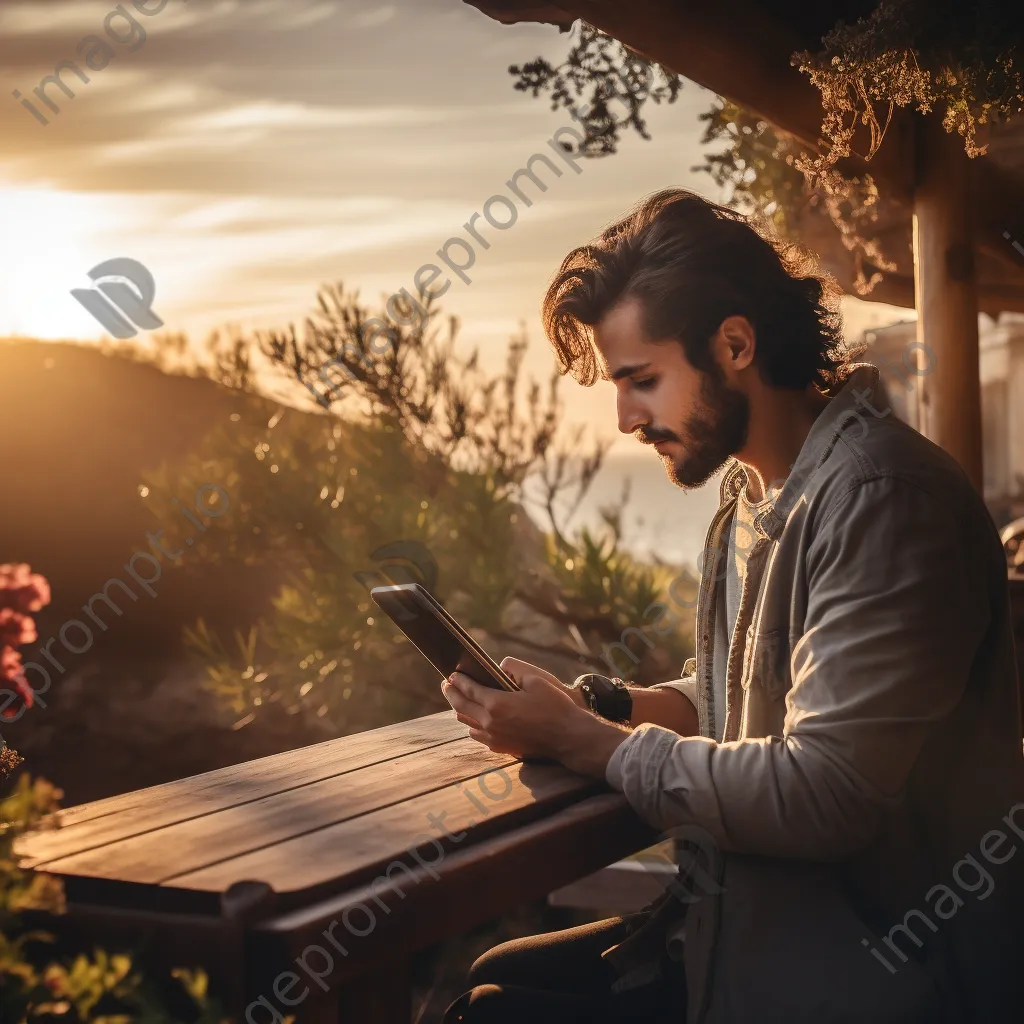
623,320
619,340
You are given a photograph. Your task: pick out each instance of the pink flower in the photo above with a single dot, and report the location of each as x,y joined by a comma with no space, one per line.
23,589
16,629
11,673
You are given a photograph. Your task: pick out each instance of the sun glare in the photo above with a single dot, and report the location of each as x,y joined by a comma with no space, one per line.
47,238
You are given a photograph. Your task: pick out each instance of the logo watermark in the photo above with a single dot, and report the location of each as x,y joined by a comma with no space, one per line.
122,299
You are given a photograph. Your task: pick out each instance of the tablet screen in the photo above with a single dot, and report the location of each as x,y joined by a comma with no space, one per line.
435,638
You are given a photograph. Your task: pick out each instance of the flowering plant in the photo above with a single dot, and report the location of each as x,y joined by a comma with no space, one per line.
21,591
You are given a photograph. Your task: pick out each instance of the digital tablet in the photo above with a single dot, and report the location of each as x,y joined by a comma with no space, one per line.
437,636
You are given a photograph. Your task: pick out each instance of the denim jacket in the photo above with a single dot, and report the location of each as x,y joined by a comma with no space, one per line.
871,744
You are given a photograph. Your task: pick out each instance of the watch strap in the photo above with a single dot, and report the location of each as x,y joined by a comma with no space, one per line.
606,696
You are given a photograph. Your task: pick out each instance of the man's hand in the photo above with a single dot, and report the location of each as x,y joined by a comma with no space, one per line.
517,669
542,719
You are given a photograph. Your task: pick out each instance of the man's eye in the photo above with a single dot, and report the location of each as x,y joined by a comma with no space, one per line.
646,384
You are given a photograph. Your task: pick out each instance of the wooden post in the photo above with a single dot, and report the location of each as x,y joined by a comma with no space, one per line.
945,285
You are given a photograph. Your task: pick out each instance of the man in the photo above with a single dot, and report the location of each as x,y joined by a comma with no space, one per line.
849,733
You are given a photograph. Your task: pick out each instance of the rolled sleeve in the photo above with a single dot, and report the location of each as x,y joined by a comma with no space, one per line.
686,686
613,770
637,769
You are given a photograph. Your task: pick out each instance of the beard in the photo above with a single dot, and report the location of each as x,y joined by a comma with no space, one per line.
711,435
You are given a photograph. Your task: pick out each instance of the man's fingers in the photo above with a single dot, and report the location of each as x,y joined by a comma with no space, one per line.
476,692
517,669
461,702
533,681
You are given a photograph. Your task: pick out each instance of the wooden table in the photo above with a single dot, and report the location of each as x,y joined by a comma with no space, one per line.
331,864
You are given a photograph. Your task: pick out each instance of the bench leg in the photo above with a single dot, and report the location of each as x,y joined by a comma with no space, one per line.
319,1008
381,996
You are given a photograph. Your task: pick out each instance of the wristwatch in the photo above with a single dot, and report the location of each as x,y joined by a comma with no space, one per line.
608,697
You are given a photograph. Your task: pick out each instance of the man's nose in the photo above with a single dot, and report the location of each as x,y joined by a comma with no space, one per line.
631,416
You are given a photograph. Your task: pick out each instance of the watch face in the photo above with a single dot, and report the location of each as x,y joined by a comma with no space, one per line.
608,698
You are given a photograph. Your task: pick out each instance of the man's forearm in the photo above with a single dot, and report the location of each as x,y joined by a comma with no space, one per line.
665,707
590,741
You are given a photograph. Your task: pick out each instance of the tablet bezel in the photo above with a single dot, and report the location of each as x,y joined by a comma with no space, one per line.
430,605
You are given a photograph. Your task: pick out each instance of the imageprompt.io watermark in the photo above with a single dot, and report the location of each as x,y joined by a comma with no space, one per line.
121,27
122,300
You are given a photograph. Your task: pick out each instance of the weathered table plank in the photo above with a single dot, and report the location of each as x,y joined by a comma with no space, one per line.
105,821
225,836
356,849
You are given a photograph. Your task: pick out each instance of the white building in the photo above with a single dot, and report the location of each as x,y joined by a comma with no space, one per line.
895,351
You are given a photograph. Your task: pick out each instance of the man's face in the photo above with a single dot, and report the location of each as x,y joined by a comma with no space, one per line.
695,420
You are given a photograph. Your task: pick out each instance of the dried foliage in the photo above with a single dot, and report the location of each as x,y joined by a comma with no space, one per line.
9,762
611,72
961,60
763,173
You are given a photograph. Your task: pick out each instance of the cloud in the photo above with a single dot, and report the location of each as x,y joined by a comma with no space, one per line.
252,150
376,18
296,116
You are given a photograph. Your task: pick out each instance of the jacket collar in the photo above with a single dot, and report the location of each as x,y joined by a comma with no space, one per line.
841,410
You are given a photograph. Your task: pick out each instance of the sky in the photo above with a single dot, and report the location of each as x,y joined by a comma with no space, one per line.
249,151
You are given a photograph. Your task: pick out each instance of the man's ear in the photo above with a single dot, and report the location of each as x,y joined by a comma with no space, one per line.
735,344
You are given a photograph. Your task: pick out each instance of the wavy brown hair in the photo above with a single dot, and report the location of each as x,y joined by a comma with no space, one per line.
692,263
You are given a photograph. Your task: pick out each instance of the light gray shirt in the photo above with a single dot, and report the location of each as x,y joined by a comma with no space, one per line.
742,535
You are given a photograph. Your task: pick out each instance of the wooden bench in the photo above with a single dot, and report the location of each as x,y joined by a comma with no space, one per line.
623,887
331,864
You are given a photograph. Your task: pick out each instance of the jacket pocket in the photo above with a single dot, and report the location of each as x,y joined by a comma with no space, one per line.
768,669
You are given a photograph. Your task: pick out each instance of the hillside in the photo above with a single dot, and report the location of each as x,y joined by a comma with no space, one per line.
83,427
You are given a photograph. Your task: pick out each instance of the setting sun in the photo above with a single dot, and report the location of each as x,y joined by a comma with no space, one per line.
49,239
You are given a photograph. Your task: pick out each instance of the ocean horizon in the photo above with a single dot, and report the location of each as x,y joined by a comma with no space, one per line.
660,517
